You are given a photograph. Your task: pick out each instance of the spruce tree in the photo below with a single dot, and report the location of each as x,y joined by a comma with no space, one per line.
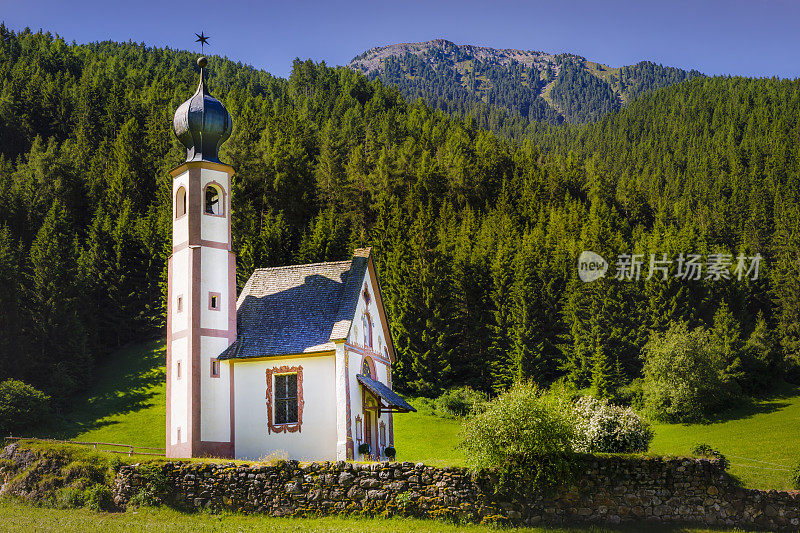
60,356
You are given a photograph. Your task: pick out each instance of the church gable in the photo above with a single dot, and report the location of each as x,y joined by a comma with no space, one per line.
369,325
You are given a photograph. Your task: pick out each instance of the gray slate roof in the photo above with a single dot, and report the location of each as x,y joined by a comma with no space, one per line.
297,309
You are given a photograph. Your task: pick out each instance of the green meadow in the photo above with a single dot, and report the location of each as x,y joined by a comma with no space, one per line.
126,406
23,518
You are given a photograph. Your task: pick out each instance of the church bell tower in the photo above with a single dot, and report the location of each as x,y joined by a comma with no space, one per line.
201,312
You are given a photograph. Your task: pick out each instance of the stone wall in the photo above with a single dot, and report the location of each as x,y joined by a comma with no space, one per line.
611,490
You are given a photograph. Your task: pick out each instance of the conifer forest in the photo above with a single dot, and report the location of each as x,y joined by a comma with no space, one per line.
476,234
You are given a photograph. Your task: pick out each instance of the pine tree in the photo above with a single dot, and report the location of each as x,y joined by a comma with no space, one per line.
536,327
61,357
11,300
602,384
727,343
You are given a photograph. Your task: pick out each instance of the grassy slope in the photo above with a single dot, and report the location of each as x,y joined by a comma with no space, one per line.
422,437
21,518
769,432
127,406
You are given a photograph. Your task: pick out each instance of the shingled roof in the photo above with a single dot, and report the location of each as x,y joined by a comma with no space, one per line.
297,309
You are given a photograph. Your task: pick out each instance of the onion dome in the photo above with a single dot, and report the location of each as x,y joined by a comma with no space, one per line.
202,123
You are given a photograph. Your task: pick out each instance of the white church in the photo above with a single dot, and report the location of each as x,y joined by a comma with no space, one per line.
300,364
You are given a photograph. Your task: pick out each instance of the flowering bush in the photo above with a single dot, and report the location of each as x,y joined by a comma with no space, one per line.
604,427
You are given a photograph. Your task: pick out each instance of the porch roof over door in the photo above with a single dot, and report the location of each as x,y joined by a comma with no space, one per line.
391,398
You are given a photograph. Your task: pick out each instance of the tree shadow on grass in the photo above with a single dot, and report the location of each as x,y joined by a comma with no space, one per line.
125,383
750,407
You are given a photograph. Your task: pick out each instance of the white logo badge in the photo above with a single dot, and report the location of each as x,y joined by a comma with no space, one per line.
591,266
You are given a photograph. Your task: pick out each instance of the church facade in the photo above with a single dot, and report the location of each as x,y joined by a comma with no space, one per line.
300,364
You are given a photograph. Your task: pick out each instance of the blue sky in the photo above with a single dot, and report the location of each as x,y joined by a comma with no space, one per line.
750,38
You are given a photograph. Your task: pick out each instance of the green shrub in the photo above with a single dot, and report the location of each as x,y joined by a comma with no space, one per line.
154,487
607,428
21,406
390,452
96,497
683,376
364,448
90,472
704,450
404,502
525,436
459,402
115,464
795,476
70,498
100,498
631,395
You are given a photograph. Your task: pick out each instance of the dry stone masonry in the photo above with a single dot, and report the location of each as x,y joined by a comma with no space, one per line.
611,490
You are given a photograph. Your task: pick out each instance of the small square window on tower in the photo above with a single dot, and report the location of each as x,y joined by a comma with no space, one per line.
214,301
179,305
178,370
214,368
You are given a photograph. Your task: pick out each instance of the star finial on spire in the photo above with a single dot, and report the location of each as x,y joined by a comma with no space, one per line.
202,39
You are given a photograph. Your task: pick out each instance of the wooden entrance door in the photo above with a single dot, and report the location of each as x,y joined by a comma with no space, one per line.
368,431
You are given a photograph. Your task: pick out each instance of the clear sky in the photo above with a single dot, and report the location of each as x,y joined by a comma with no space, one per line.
750,38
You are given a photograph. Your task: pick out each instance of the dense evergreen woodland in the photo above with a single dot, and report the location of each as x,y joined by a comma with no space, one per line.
476,238
508,96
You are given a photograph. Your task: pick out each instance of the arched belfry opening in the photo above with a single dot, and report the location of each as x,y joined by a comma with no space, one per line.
180,202
213,200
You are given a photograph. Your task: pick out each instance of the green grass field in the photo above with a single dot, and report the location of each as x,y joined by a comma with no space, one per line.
423,437
762,442
127,406
23,518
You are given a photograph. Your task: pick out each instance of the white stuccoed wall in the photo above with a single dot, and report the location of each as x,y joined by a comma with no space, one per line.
179,405
180,289
356,337
341,403
215,412
318,436
214,278
180,229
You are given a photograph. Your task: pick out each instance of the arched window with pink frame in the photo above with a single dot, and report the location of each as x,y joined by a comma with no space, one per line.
367,323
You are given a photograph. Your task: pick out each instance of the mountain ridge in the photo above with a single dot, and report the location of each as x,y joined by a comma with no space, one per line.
539,86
